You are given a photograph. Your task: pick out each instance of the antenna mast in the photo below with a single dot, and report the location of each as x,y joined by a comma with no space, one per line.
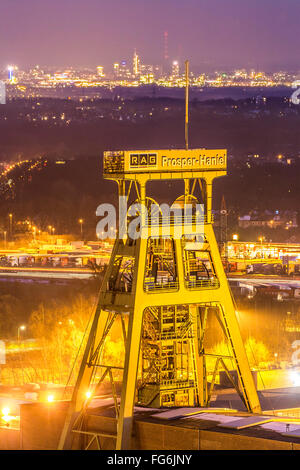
186,104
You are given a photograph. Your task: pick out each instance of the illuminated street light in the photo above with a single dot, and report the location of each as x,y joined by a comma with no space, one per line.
50,398
10,224
81,223
235,236
5,411
21,328
6,418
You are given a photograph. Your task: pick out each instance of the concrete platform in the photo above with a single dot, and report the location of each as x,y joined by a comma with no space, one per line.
167,429
41,424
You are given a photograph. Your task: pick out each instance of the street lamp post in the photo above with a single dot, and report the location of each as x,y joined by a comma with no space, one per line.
261,239
52,231
21,328
81,223
4,234
10,225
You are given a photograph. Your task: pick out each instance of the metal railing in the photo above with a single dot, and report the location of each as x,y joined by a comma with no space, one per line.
178,220
190,284
203,283
153,286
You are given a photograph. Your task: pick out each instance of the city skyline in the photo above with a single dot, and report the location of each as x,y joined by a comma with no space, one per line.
211,34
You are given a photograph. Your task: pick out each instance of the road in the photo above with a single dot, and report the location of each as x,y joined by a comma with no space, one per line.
45,273
267,280
84,273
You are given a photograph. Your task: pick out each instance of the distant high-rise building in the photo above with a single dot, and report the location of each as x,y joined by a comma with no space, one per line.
136,64
116,68
100,71
146,74
175,69
146,68
121,70
124,70
157,70
240,73
10,73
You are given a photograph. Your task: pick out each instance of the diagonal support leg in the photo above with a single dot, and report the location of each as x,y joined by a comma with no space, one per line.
133,341
129,380
84,378
229,319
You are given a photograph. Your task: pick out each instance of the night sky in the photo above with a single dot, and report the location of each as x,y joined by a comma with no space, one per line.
211,33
